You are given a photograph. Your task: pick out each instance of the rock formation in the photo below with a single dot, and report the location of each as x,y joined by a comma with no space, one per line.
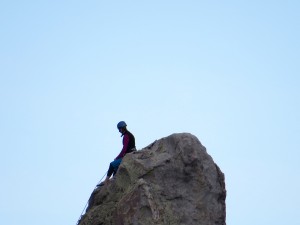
172,181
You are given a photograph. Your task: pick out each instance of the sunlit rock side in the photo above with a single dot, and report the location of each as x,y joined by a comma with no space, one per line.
172,181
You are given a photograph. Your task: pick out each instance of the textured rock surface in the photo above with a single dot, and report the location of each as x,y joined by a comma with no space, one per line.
172,181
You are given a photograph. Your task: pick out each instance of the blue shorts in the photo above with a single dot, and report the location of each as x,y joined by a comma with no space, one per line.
113,167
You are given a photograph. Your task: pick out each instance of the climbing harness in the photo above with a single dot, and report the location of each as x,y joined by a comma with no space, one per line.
97,185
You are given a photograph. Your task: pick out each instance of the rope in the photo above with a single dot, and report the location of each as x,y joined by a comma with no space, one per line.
88,200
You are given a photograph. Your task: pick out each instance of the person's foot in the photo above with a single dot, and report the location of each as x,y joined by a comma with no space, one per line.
101,184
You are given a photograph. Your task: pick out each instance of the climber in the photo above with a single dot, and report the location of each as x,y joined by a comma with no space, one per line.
128,146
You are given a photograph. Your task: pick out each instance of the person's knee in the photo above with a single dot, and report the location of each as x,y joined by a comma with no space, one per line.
116,163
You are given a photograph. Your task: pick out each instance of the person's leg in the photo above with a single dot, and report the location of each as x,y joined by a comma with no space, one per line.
110,170
113,167
115,164
108,175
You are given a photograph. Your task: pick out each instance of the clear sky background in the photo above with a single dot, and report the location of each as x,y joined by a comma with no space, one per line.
225,71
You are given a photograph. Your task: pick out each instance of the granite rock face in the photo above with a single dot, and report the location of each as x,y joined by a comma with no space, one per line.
172,181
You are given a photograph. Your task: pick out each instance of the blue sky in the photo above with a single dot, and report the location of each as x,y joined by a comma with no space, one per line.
225,71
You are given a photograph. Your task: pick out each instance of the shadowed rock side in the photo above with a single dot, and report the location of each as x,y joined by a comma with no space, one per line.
172,181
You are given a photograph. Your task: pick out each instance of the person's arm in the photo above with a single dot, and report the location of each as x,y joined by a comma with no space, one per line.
125,145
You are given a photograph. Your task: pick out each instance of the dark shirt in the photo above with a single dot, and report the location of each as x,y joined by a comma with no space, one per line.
128,144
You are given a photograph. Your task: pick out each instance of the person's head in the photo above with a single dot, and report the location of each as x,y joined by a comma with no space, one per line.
121,127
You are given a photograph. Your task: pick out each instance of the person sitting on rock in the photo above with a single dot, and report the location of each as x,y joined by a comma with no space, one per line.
128,146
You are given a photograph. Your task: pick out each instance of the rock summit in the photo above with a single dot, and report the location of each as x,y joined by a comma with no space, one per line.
172,181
